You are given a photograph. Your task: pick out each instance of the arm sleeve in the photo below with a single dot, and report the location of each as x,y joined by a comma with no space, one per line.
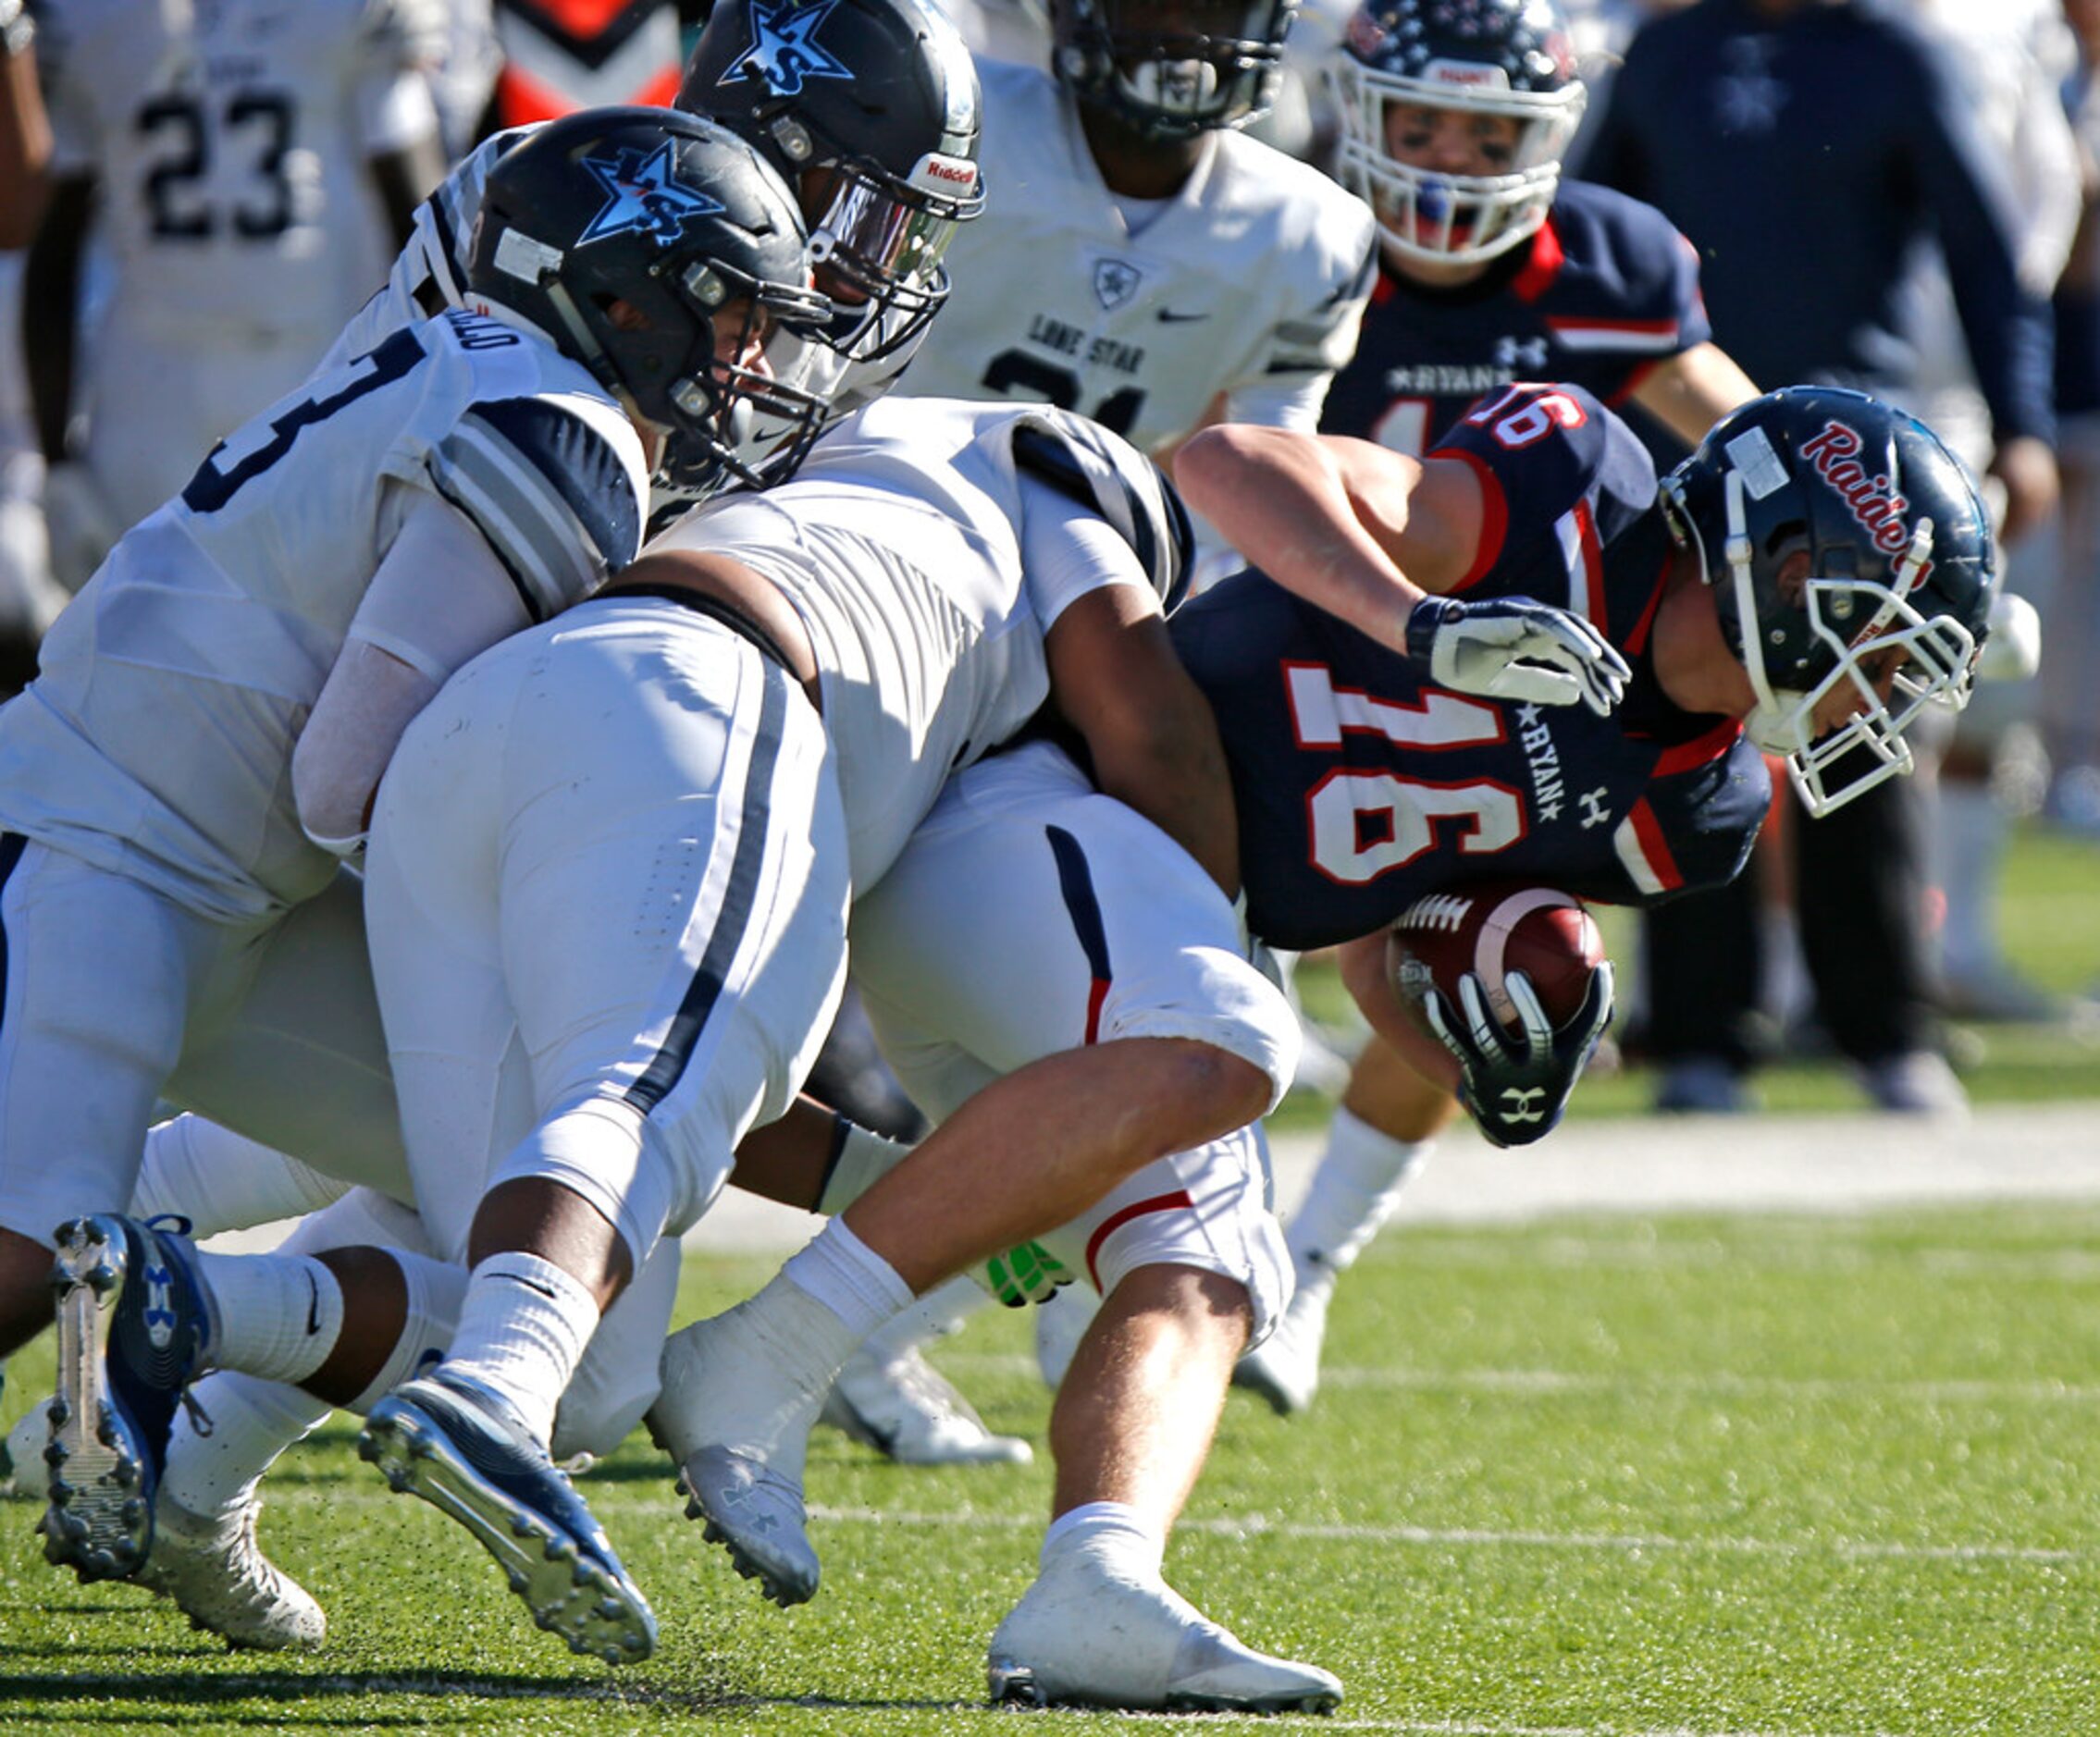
2007,327
438,598
1067,551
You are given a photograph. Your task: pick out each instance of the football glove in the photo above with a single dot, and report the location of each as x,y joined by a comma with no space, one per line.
1514,1088
1516,649
1030,1274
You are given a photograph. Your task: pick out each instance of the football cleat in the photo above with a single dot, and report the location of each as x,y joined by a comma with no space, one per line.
739,1426
1284,1369
904,1408
134,1323
213,1567
462,1449
1087,1634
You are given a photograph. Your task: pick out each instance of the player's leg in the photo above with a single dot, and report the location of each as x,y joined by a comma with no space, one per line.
1104,935
651,935
1191,1264
1380,1136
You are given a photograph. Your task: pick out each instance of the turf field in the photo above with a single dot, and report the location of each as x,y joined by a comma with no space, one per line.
1758,1474
1631,1476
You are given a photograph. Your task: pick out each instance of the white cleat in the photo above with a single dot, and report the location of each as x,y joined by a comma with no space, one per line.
739,1426
1285,1367
1087,1635
212,1567
902,1407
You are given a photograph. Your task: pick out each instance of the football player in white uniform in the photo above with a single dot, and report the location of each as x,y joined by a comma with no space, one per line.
248,166
1142,256
215,708
869,107
602,1007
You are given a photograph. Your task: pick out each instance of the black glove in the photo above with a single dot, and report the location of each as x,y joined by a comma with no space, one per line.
1515,1088
1516,649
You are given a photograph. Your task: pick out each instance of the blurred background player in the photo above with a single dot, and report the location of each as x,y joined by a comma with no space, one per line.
249,169
1809,150
29,599
1492,268
1142,258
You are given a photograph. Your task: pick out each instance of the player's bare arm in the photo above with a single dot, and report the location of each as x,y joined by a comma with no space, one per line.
1691,391
1370,536
1148,729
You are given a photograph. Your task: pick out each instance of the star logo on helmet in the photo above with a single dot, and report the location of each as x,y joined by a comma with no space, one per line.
783,50
644,196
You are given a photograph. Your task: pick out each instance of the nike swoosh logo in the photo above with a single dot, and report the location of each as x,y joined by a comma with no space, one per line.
312,1306
546,1291
1169,317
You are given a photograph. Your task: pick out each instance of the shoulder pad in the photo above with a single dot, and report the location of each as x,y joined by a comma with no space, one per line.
553,494
1105,471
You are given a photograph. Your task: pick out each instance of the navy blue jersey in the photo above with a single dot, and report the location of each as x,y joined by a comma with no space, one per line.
1361,785
1605,289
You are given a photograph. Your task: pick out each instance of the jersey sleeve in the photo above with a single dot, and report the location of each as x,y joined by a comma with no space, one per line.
1106,475
1310,343
1561,476
401,42
1692,829
547,483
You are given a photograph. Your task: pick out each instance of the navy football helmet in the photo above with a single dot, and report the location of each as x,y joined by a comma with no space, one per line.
1835,530
871,109
1172,68
627,235
1512,58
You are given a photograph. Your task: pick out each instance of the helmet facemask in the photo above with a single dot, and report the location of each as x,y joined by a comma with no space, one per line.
1851,629
1155,67
878,244
1436,218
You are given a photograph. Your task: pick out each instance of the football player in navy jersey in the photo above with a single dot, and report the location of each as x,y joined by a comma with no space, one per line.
1492,269
1818,571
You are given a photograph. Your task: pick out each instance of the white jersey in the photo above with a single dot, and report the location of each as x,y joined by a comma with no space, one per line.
157,741
231,144
898,544
1249,281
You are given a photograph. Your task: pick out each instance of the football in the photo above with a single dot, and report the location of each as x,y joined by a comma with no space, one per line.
1493,928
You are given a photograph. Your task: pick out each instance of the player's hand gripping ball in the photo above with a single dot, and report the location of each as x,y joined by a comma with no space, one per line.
1513,982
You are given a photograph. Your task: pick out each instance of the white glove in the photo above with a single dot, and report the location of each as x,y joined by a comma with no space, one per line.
2013,652
82,528
1516,649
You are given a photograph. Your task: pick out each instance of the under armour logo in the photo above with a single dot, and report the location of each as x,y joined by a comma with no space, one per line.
1594,812
783,50
643,196
1115,282
1526,355
1520,1104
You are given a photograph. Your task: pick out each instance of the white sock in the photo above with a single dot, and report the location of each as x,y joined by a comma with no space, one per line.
1114,1531
252,1423
849,1278
943,1310
279,1315
522,1329
1971,836
437,1293
1354,1190
864,1158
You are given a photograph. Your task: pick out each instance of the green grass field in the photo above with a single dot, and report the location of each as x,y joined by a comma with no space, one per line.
1780,1477
1773,1475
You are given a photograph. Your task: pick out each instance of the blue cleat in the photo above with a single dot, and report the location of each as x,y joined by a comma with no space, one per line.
134,1324
465,1451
